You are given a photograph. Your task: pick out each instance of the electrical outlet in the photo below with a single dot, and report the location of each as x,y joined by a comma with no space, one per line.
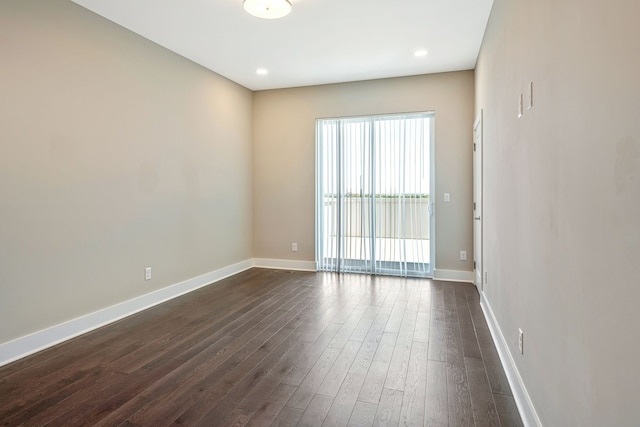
521,341
147,273
447,197
463,255
294,247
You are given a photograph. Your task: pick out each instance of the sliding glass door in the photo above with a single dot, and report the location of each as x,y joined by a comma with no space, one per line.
373,194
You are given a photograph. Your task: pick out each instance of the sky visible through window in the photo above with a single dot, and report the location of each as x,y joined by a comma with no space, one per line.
400,158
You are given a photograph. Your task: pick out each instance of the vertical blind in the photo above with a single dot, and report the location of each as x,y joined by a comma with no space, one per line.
373,206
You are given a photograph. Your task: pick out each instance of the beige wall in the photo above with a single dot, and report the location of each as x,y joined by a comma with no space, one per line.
562,196
284,153
115,154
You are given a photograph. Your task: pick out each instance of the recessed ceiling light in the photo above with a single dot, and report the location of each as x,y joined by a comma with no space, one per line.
267,9
262,71
420,53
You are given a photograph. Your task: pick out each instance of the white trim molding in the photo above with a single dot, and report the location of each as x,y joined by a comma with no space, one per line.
285,264
453,275
29,344
520,394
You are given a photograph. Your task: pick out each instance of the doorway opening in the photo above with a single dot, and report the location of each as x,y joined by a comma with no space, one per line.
374,181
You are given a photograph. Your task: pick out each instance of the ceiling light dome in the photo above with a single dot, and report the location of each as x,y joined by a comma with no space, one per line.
267,9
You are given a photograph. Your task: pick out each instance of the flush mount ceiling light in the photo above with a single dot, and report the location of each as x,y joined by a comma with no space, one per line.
420,53
267,9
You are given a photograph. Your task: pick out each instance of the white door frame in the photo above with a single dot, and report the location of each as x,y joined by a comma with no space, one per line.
361,263
477,202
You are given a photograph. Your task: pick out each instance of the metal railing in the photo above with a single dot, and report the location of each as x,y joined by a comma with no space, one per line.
397,216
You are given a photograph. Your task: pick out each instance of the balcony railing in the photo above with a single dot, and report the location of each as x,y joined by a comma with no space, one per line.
396,216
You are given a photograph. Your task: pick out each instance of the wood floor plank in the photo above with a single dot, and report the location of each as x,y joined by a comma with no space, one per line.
303,365
232,324
223,375
423,322
332,382
275,347
459,400
377,374
388,413
224,393
425,299
397,314
413,400
482,402
51,361
340,411
250,318
437,294
415,289
193,400
240,322
390,300
33,394
314,378
362,328
128,424
437,336
141,356
370,345
436,412
347,329
39,408
376,297
237,418
317,410
351,298
400,360
252,400
74,408
157,392
507,411
469,340
271,407
257,383
106,395
495,372
288,417
320,320
363,414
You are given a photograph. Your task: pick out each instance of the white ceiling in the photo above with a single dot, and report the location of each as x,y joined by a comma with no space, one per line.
321,41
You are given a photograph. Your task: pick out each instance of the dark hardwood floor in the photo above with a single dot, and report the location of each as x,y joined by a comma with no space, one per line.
276,348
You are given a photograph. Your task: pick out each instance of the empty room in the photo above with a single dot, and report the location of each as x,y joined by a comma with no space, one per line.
319,212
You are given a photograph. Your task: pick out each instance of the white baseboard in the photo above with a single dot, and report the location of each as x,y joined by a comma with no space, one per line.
285,264
29,344
520,394
453,275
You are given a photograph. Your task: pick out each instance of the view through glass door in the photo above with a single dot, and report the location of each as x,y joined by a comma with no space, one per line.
373,195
